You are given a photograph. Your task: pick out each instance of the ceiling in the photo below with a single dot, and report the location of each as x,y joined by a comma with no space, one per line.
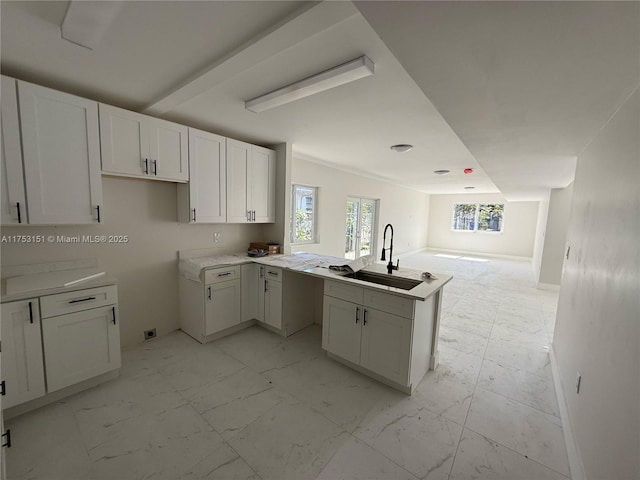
514,91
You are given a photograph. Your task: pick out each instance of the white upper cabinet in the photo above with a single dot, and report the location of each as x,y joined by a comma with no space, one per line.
137,145
13,202
204,198
61,156
262,184
238,156
251,180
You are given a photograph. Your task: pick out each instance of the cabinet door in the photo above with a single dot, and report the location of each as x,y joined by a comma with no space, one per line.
250,277
262,184
80,345
168,150
273,304
386,340
207,177
341,328
22,366
61,148
222,307
124,141
238,156
13,200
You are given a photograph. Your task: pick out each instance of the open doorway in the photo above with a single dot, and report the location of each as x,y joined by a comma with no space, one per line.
361,228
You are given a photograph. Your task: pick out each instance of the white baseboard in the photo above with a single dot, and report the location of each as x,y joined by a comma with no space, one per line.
573,452
548,286
410,252
478,254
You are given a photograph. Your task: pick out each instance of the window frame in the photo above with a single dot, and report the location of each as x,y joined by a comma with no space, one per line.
475,229
314,225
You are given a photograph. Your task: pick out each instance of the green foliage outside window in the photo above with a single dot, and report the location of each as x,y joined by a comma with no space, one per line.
482,217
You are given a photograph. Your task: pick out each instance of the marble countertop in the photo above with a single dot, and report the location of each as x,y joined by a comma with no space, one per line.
318,266
191,267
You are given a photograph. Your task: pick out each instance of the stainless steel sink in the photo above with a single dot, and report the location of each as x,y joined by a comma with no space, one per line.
382,279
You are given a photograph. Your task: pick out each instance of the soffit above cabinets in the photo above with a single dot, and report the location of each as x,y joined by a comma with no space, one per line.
484,87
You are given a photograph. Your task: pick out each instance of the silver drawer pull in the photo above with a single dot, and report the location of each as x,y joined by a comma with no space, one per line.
275,274
224,274
78,300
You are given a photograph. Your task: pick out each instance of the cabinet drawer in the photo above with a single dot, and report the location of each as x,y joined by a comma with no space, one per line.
217,275
389,303
272,273
344,291
62,303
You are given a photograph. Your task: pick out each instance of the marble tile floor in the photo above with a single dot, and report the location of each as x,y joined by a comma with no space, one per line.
256,406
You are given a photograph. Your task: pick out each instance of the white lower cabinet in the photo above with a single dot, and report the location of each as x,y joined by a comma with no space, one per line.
222,308
252,292
80,335
377,340
22,365
341,332
55,341
262,294
212,306
273,297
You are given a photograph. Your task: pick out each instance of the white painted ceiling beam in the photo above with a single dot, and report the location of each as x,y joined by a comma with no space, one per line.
279,38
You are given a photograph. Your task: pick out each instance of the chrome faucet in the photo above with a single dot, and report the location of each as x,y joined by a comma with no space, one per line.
390,266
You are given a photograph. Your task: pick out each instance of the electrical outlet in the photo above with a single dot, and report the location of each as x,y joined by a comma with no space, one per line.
578,382
149,334
216,237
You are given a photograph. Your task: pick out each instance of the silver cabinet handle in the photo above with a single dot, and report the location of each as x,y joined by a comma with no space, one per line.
357,314
273,274
253,216
224,274
155,167
364,319
194,214
146,166
209,294
261,271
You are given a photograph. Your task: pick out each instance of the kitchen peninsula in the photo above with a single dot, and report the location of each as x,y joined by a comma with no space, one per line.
388,332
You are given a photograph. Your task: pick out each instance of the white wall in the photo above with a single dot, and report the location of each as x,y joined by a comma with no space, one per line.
147,266
406,209
556,236
517,238
598,322
541,231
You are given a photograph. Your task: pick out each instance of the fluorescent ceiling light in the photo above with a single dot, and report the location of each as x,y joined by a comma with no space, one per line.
85,23
334,77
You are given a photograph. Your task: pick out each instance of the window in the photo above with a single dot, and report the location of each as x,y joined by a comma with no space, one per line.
303,214
478,217
360,235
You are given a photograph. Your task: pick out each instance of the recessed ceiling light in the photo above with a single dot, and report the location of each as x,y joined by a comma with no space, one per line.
442,172
401,147
469,188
